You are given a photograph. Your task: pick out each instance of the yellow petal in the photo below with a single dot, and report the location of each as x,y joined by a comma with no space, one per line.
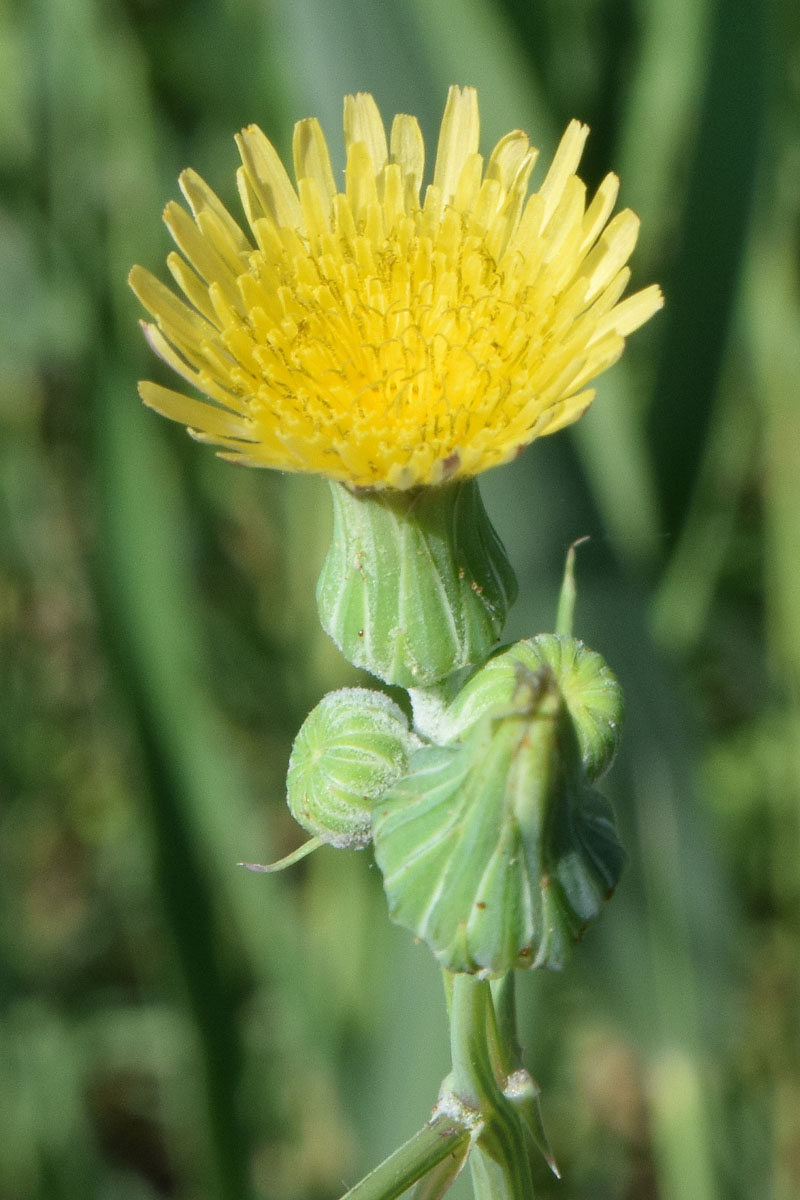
199,249
202,199
362,123
458,138
267,177
360,186
194,413
564,164
408,150
312,159
507,158
633,312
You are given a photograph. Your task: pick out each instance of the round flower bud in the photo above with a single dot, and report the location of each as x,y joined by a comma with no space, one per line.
495,851
416,584
588,685
350,748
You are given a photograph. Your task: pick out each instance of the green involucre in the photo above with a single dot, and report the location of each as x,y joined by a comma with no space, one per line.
416,584
350,748
496,851
589,688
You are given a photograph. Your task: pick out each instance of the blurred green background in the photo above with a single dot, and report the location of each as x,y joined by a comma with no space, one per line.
173,1026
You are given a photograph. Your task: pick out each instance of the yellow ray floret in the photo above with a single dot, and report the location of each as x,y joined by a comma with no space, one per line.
383,338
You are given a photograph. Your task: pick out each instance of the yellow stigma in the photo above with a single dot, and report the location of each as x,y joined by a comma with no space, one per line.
381,339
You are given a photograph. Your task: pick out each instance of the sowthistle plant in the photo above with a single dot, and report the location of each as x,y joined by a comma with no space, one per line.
399,347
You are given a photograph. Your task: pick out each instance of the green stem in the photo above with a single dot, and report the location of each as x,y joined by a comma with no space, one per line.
439,1138
499,1162
506,1049
473,1078
442,1177
520,1088
491,1179
476,1118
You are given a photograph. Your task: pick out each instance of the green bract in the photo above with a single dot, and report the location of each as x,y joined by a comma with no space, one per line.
589,688
416,584
351,747
496,851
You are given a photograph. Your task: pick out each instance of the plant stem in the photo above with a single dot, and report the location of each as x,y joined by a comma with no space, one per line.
473,1079
442,1177
479,1049
437,1139
506,1049
520,1088
477,1115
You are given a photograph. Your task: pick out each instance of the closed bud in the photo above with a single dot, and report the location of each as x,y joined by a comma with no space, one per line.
590,690
495,851
350,748
416,584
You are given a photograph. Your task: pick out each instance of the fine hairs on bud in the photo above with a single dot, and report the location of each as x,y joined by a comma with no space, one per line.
350,748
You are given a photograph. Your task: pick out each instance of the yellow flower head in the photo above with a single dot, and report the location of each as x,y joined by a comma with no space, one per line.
381,339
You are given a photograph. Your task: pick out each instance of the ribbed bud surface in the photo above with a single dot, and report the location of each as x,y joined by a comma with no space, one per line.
496,852
351,747
416,584
588,685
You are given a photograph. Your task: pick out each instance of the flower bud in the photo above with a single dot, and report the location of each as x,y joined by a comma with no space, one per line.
416,584
495,851
589,687
350,748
